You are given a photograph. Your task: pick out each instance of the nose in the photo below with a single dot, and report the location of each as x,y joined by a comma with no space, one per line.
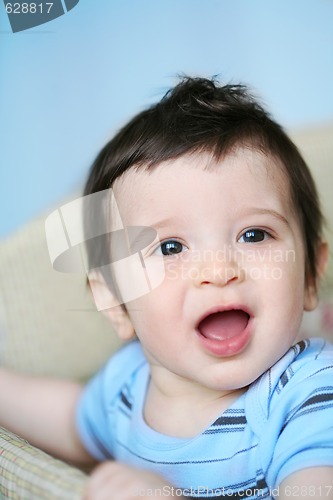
218,272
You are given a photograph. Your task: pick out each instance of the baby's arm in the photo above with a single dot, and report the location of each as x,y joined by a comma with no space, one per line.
315,482
42,410
114,480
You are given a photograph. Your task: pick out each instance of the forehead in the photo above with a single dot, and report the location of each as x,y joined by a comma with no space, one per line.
197,182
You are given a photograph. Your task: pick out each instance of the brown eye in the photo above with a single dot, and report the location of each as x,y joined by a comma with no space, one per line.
253,236
172,247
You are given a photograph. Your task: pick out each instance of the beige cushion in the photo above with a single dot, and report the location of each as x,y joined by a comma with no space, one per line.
48,322
28,473
316,145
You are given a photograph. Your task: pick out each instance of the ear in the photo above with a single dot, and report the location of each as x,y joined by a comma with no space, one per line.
311,290
110,306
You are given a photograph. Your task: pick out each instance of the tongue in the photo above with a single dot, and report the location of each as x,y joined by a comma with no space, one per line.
224,325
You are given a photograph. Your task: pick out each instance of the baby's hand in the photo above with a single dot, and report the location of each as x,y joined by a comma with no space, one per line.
116,481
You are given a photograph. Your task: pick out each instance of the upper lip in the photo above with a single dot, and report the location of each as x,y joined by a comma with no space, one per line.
220,308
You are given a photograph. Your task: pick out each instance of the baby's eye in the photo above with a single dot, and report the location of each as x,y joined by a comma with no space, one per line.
172,247
254,236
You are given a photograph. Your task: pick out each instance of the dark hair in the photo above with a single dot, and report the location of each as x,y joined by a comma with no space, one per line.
200,115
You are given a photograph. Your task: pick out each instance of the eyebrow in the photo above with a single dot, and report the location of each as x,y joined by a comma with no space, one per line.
162,223
255,210
268,211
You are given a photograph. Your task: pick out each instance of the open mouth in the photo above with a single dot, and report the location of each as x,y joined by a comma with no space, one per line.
224,325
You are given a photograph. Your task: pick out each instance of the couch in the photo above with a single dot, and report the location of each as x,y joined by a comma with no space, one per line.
49,326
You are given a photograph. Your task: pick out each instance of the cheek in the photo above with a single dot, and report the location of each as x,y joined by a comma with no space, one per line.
149,311
283,293
156,308
136,278
282,267
293,274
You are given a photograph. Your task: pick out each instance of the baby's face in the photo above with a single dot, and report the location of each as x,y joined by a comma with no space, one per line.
231,302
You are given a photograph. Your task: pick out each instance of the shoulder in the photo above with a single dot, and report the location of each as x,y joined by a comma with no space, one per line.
101,394
310,352
291,410
309,360
306,384
128,355
120,370
305,371
121,366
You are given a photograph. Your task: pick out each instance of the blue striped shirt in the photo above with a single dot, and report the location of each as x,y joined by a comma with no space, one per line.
283,423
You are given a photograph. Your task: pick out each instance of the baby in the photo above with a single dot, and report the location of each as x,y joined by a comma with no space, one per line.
214,394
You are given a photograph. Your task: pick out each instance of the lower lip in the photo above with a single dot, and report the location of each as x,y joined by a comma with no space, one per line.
227,347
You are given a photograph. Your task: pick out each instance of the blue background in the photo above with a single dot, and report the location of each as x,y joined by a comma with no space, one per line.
68,85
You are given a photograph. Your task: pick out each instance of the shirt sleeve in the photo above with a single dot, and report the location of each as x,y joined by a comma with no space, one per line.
304,412
307,439
92,420
98,405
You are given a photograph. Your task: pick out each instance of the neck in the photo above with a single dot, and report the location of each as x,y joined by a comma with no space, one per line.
181,408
